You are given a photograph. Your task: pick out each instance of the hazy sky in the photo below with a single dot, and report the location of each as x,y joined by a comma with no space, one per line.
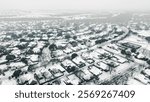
76,4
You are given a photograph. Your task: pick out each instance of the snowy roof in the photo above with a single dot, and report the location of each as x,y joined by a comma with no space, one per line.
67,50
59,52
17,64
57,66
68,62
95,70
102,65
121,59
78,60
101,51
140,56
147,71
16,52
73,79
32,44
34,58
26,77
36,50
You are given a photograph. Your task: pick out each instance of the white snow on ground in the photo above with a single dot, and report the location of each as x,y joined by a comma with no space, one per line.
101,51
132,81
145,52
3,59
95,54
146,46
9,82
73,79
111,50
137,40
144,33
140,55
134,38
88,75
141,78
24,69
3,67
40,69
68,50
123,67
117,71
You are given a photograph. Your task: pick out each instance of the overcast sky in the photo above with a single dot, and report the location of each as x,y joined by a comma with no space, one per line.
76,4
